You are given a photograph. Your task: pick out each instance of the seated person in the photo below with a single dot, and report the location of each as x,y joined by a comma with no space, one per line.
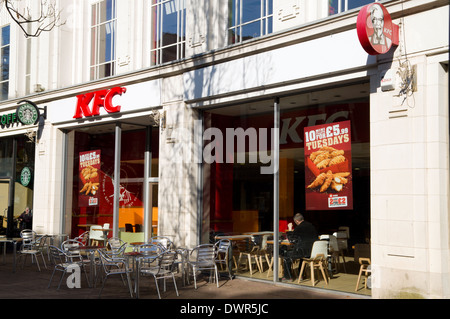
303,237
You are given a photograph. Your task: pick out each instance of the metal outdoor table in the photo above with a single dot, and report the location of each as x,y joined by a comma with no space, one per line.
14,241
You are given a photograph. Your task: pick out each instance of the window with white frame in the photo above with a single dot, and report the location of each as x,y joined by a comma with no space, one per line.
5,56
338,6
249,19
103,39
168,34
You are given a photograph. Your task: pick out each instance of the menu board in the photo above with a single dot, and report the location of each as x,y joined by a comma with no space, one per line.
328,165
89,184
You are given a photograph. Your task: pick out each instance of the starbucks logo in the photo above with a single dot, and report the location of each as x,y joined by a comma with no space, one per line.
28,114
25,176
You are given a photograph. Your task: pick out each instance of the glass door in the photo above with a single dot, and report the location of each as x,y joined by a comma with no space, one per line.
4,205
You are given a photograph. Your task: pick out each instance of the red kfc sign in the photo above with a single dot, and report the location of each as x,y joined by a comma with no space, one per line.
99,99
376,31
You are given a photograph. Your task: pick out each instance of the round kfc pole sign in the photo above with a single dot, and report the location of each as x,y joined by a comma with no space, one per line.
376,32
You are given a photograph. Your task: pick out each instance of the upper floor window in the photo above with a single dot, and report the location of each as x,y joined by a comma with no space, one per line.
103,39
168,34
338,6
249,19
4,56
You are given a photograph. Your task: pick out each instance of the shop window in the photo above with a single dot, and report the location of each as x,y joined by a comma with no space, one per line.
22,183
238,199
5,56
338,6
93,178
168,34
249,19
103,39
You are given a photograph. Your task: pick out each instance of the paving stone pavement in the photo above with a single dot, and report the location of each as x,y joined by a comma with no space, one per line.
29,283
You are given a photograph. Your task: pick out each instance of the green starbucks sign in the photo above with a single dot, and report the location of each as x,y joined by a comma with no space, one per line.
25,176
28,114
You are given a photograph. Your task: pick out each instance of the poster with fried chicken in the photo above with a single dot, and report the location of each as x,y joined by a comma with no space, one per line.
328,165
89,171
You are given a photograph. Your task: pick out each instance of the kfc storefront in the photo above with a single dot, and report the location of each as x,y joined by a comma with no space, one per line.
110,142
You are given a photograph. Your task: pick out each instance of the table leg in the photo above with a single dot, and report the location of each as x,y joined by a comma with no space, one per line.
14,262
136,279
92,268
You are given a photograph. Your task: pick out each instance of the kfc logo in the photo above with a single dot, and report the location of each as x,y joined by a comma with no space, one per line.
99,99
376,31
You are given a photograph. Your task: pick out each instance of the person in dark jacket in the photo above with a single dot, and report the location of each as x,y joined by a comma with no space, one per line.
26,219
303,237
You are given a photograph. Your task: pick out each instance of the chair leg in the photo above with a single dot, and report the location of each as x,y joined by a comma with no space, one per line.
313,280
175,284
359,278
157,287
323,273
51,278
301,271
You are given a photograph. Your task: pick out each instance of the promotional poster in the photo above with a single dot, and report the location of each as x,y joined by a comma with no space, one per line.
89,171
328,167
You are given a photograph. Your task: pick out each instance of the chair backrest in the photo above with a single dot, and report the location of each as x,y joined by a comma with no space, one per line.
129,228
42,241
332,242
28,235
320,247
138,228
83,238
345,229
163,241
166,261
28,239
205,253
222,249
69,247
115,243
106,226
119,264
95,234
57,255
149,249
341,239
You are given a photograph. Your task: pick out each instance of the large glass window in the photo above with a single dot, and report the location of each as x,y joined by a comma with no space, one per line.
249,19
5,56
103,39
238,179
168,34
239,202
338,6
93,178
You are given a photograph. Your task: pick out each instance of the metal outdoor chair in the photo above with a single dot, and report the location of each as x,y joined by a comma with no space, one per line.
163,268
224,256
114,266
71,249
205,259
116,247
32,247
64,264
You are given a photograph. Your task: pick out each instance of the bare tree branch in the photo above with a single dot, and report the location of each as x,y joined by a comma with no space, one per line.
32,26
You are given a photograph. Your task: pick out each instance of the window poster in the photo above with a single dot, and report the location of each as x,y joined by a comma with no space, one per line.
328,167
89,171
